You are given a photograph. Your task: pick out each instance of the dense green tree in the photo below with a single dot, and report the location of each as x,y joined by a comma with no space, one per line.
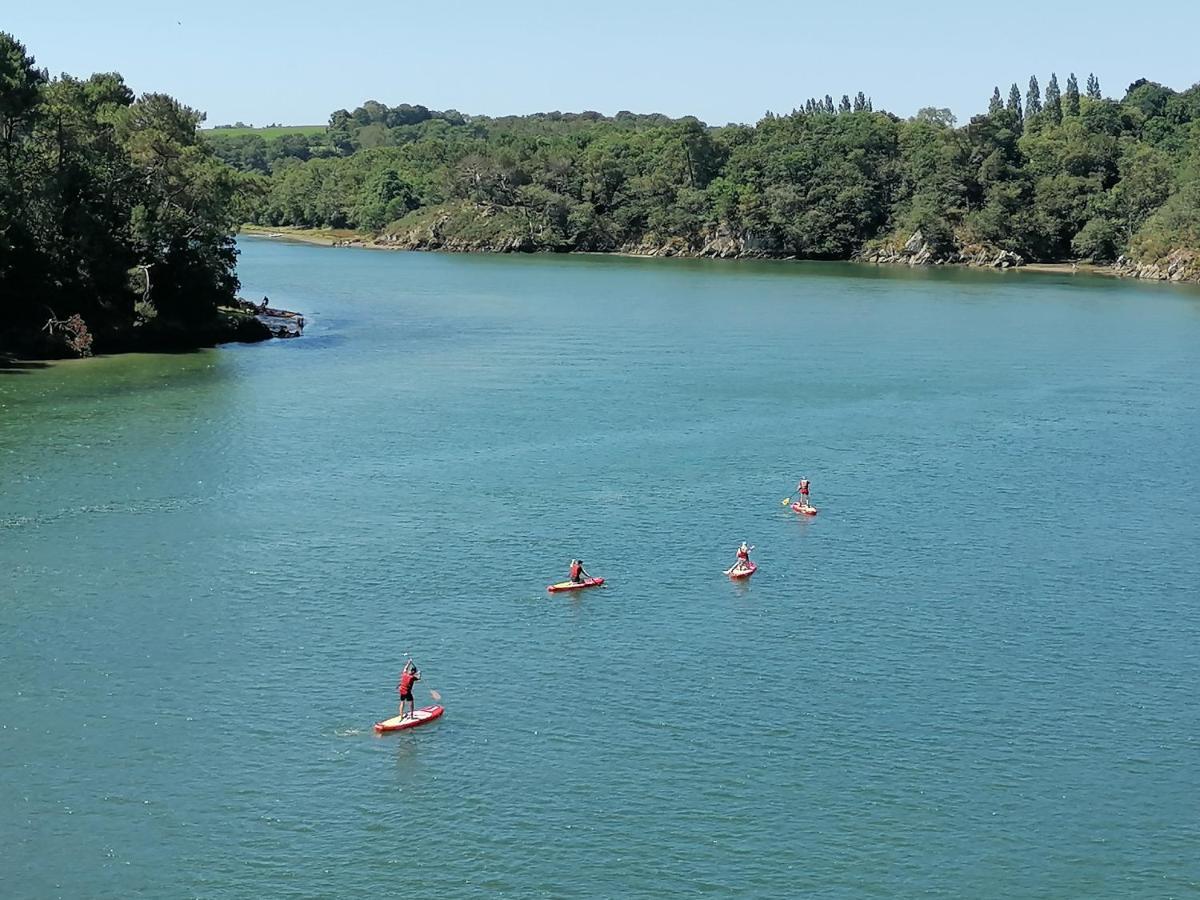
996,103
114,211
384,197
1054,110
1071,97
1148,97
1033,98
1099,240
1175,225
938,116
21,85
825,181
1093,87
1014,101
934,193
1146,180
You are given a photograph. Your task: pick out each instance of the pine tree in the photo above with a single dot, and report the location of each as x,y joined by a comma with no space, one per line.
1033,98
844,105
1093,87
829,107
1014,101
860,102
1054,100
996,104
1071,106
870,107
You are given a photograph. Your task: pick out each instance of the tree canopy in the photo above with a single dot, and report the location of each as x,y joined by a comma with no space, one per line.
117,212
114,213
1068,177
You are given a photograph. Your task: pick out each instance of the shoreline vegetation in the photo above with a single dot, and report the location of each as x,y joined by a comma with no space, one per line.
118,213
1065,176
117,222
345,237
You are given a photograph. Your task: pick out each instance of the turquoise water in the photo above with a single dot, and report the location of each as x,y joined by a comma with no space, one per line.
973,674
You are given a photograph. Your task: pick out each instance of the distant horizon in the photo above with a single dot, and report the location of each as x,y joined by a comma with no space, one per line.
294,63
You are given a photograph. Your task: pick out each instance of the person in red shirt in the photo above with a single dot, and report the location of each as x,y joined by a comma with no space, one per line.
578,574
408,677
743,558
802,487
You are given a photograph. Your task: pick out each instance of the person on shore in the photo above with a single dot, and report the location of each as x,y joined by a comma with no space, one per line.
743,558
577,572
802,489
409,676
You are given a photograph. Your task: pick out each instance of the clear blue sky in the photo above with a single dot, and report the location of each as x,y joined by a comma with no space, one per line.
295,62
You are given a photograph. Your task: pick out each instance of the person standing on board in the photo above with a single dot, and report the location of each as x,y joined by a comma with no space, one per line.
743,558
802,487
408,677
578,574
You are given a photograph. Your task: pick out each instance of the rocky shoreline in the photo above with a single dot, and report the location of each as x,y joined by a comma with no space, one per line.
720,243
917,251
1182,266
242,322
275,323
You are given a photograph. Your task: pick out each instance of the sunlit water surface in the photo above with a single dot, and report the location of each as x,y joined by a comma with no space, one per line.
975,673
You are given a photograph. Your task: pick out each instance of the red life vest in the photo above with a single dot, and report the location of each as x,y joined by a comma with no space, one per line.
576,570
406,681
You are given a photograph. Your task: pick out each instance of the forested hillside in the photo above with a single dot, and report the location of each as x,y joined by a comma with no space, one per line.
116,220
117,213
1064,174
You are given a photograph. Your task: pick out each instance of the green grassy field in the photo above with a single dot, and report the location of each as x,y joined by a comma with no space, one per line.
266,132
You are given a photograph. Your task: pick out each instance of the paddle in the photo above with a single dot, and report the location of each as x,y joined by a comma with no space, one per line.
434,694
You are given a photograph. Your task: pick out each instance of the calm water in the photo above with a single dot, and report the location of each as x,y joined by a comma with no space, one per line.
974,674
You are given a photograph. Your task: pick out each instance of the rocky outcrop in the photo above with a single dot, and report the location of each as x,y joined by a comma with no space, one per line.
508,230
1178,266
917,251
251,321
720,243
445,233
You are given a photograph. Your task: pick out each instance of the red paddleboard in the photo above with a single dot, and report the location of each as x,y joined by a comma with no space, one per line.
574,585
421,717
804,510
746,572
